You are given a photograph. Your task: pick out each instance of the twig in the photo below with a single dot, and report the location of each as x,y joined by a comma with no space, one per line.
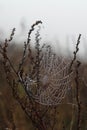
70,69
75,52
78,96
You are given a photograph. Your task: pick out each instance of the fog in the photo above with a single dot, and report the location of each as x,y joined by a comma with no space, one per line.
63,20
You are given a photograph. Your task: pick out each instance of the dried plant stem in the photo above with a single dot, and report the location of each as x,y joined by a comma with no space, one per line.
27,45
75,52
29,109
78,96
72,62
54,119
72,121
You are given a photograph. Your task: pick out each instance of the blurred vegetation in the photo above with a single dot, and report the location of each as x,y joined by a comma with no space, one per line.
9,108
11,113
64,116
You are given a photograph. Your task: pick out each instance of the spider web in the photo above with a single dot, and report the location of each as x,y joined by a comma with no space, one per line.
54,79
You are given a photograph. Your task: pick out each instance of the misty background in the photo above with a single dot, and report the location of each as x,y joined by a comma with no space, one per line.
63,21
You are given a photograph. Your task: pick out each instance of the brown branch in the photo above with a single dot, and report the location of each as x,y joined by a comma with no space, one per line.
70,69
27,44
78,96
75,52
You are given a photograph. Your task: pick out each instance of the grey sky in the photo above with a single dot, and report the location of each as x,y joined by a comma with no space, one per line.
60,17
